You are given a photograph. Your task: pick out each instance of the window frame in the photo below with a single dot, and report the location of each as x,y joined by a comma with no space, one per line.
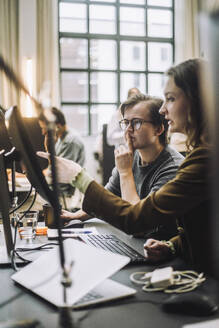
117,38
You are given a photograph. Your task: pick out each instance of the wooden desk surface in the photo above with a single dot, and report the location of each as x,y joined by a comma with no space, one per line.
140,311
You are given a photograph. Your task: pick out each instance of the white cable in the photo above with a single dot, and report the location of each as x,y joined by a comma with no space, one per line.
178,282
143,280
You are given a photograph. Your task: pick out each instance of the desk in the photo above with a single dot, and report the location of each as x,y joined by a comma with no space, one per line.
140,311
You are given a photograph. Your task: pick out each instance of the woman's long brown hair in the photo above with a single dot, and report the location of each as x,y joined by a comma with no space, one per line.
187,77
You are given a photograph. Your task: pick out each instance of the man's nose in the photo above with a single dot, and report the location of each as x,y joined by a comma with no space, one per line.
129,127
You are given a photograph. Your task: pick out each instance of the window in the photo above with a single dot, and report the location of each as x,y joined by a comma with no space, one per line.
108,47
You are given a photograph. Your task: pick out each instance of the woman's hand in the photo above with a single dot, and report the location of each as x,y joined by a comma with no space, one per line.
156,250
67,170
124,157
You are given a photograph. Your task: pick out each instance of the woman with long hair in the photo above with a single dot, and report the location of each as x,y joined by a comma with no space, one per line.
185,199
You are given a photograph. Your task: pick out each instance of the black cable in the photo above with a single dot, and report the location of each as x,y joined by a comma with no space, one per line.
38,248
23,201
22,258
56,193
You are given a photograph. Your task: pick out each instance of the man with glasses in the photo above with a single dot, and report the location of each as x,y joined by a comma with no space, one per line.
147,162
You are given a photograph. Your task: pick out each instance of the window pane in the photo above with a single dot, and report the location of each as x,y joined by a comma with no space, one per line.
102,19
132,21
156,84
73,17
160,56
163,3
101,114
103,54
132,55
132,80
76,117
74,87
160,23
104,0
103,87
73,53
136,2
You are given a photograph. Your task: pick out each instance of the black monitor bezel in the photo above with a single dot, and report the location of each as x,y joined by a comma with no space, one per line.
4,203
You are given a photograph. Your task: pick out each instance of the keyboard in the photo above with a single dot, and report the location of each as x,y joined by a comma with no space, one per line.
106,291
90,297
113,244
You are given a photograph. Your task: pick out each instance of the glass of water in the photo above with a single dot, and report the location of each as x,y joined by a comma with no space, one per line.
28,227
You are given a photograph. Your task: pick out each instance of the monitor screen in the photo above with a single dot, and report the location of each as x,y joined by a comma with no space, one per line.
6,145
22,142
4,204
5,142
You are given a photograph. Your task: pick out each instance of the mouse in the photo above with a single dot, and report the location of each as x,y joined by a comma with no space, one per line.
191,304
73,224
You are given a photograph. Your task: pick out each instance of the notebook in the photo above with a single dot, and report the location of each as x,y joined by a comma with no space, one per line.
91,266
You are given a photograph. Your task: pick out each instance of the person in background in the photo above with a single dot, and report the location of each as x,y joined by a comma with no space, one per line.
67,145
147,163
115,136
185,199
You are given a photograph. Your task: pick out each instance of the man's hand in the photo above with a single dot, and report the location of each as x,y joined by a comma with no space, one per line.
67,170
156,250
124,157
79,215
66,215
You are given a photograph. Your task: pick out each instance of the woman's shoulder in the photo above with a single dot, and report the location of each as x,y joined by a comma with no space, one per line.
202,151
196,160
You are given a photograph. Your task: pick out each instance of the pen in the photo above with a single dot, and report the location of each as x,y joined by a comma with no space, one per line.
76,232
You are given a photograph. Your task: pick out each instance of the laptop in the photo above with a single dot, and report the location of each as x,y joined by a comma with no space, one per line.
106,291
91,266
31,255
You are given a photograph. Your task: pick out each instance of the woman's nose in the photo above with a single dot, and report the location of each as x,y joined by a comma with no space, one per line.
162,109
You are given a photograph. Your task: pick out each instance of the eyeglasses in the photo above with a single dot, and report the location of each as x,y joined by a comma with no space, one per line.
135,123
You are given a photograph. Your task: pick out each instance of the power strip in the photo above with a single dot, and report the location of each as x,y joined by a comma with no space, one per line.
162,278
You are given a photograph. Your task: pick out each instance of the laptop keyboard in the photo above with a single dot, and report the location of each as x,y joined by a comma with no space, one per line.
113,244
89,297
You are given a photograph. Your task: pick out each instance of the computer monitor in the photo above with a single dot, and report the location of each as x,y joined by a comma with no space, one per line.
21,140
4,204
6,145
5,142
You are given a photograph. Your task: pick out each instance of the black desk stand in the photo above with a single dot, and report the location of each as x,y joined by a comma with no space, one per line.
65,312
66,320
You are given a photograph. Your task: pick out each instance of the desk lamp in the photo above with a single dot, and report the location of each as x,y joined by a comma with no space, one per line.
65,312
